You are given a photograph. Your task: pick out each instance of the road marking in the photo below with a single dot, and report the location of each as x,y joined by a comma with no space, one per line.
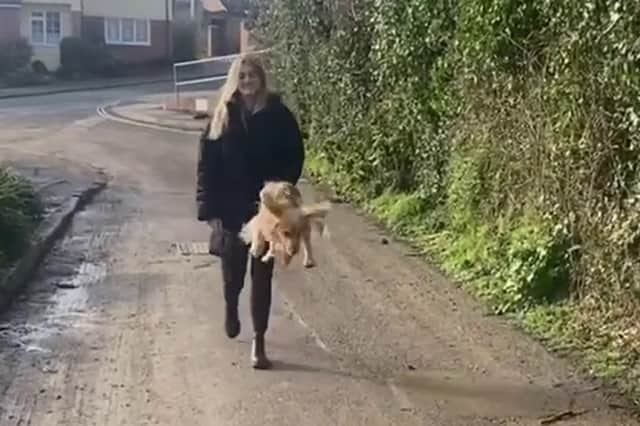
89,122
302,322
104,113
401,397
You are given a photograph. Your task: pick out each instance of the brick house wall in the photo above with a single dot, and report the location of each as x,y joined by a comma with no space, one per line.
9,23
93,30
76,24
224,34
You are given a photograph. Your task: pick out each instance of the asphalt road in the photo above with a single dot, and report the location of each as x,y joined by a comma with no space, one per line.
372,336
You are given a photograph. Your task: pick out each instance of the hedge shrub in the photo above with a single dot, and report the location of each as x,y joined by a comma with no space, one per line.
81,57
20,212
515,123
14,55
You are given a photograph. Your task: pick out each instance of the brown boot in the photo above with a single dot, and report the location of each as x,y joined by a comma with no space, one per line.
259,359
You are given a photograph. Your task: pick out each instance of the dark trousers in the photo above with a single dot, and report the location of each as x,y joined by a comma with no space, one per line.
234,269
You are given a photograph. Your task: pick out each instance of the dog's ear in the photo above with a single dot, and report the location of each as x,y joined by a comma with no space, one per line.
272,205
275,209
316,211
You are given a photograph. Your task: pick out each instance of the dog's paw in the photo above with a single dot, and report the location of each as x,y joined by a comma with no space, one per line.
267,258
309,263
254,251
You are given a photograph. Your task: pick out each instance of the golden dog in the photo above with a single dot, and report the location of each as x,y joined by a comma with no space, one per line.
284,222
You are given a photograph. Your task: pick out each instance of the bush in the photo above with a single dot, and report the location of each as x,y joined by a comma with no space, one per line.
79,57
485,111
184,43
20,213
25,77
14,55
39,67
76,56
538,107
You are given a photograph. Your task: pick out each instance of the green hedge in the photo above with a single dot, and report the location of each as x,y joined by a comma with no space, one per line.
81,57
20,213
14,55
511,126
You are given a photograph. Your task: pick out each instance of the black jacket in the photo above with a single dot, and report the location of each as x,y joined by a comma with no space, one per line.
232,169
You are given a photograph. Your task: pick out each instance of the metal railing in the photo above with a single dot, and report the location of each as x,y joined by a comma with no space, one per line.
203,71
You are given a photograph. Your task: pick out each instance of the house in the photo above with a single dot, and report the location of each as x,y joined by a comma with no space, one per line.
44,24
134,31
220,25
223,23
185,10
9,19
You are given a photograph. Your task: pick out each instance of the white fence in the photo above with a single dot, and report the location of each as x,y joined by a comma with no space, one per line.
201,71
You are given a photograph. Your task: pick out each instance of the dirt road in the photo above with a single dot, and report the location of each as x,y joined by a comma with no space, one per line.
135,335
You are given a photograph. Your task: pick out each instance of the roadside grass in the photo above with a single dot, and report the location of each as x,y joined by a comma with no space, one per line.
517,269
20,213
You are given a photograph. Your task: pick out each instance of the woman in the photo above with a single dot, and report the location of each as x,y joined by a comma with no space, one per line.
252,138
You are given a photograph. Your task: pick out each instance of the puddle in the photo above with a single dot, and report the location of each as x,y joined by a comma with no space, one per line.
75,296
95,241
59,310
37,349
67,308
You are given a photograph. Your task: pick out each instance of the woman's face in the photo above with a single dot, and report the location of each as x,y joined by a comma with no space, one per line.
249,83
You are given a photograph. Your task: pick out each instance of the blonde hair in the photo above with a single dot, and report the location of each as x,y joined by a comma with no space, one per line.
220,116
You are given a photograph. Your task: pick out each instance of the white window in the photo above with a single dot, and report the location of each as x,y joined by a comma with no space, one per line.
37,28
142,31
127,31
46,28
53,28
112,30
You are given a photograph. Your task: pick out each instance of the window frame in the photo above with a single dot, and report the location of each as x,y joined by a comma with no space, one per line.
120,41
43,18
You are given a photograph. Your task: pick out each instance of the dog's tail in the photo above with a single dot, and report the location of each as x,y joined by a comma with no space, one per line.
322,228
317,214
317,210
